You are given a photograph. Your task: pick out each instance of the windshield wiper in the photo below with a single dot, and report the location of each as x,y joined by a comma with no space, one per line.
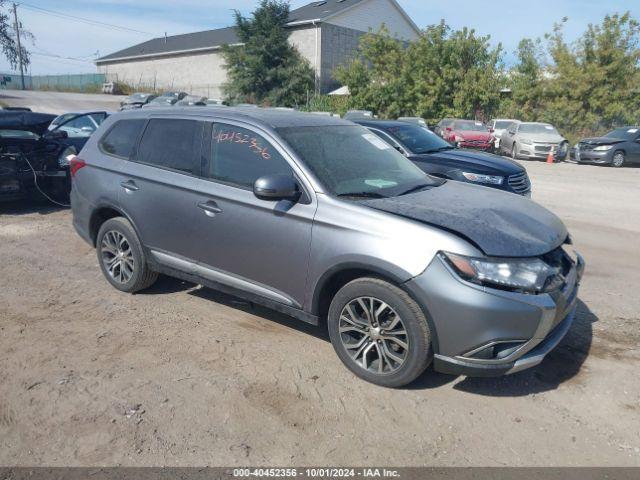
362,195
433,150
416,188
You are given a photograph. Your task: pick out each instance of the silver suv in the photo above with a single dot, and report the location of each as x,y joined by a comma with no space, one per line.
318,218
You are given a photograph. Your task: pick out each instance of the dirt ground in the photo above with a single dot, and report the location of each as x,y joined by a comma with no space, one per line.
181,375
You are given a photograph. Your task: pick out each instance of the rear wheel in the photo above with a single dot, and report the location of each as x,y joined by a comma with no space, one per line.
379,332
122,258
618,159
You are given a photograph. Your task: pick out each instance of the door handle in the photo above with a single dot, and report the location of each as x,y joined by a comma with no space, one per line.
210,208
130,186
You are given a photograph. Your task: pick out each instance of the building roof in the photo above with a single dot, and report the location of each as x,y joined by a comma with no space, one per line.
320,10
317,11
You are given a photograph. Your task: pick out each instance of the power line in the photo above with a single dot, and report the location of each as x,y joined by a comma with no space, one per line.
61,57
88,21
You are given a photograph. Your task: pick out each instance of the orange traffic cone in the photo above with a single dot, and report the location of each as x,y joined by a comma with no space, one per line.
550,157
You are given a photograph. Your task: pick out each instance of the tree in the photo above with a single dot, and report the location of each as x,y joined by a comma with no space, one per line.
266,68
527,82
376,77
8,39
442,73
595,82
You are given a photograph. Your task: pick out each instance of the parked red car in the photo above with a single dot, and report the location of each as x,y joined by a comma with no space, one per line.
470,134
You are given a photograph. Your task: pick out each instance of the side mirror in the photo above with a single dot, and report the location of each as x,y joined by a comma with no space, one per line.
276,187
56,135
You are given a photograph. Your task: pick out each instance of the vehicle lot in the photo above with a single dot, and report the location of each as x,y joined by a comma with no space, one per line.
59,103
181,375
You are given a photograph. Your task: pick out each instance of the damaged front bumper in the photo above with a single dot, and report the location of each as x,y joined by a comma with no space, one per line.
481,331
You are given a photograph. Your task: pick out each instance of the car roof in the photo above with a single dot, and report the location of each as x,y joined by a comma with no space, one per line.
268,117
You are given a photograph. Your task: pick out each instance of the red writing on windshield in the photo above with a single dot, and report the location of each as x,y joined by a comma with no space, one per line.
242,139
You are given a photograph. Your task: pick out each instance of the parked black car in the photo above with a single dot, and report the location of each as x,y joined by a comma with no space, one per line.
437,157
617,148
30,153
136,100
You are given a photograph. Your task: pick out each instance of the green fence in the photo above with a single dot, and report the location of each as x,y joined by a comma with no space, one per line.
74,82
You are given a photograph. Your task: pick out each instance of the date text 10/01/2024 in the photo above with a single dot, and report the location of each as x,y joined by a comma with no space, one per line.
316,472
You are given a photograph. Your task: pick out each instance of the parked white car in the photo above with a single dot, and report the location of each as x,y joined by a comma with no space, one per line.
498,126
533,140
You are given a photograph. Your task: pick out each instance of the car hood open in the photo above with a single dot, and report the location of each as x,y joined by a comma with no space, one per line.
500,224
27,121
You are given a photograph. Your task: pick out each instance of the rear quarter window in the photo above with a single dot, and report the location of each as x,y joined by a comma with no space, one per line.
172,144
120,139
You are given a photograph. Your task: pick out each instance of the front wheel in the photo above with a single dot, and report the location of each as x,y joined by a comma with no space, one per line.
379,332
618,159
514,151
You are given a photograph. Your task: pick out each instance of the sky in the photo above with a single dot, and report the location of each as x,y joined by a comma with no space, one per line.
65,45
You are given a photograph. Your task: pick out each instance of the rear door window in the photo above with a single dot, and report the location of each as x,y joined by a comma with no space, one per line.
173,144
122,137
240,156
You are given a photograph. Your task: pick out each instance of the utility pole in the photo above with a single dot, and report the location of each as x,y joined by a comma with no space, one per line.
17,25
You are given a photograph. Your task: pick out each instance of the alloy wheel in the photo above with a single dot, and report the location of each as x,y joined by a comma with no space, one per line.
117,256
374,335
618,159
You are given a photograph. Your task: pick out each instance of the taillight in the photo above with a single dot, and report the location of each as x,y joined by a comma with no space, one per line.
75,164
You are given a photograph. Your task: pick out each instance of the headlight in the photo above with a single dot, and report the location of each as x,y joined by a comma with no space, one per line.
526,141
603,148
63,161
531,275
478,178
458,138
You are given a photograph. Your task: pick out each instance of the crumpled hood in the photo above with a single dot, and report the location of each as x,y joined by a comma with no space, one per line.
602,140
501,224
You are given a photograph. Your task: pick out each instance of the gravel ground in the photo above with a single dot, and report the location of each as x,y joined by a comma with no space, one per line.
181,375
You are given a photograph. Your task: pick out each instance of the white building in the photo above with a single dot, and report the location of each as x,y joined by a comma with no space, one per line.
325,32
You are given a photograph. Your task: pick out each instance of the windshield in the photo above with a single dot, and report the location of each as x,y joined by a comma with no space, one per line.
164,99
502,125
349,160
624,133
470,126
537,128
418,139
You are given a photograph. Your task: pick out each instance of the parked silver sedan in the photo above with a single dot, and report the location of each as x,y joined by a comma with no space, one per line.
533,140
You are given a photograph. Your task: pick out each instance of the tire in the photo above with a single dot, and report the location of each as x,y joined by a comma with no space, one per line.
365,347
618,159
514,151
121,257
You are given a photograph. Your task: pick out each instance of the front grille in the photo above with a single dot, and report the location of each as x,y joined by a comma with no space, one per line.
543,148
520,183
